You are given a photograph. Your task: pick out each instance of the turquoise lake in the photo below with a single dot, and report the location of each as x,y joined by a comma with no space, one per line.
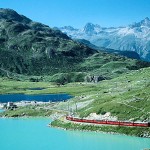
34,134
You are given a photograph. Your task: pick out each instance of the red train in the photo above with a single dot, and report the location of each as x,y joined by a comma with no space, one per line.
107,122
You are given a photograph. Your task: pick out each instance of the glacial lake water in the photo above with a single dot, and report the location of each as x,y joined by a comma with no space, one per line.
40,97
34,134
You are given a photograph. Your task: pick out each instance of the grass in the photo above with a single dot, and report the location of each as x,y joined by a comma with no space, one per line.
45,110
11,86
30,111
126,97
133,131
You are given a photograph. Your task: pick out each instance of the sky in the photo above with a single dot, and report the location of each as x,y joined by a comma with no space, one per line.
76,13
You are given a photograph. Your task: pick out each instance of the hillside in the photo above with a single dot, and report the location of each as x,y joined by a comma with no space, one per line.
36,52
134,37
32,48
126,97
129,54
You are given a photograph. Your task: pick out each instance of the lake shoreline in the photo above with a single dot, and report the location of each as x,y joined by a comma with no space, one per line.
99,128
59,121
44,137
81,127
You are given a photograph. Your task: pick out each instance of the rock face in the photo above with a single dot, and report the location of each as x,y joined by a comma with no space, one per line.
94,78
135,37
28,47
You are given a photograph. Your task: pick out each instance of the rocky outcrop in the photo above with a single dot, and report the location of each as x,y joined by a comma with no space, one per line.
94,78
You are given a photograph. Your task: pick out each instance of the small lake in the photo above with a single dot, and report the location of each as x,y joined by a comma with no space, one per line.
4,98
34,134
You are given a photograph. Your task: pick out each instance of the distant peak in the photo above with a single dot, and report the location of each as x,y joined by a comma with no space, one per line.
89,28
144,22
147,19
70,28
89,24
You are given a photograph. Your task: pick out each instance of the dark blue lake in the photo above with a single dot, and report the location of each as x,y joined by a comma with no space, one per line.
4,98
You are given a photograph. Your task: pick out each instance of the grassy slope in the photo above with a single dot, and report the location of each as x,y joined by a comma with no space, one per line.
11,86
30,111
101,64
141,132
39,53
127,96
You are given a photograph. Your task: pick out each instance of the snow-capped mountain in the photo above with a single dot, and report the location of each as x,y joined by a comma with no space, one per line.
134,37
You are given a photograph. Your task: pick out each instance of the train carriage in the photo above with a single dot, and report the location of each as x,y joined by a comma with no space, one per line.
108,122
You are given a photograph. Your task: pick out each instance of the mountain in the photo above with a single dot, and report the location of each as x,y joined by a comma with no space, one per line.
29,48
129,54
134,37
32,48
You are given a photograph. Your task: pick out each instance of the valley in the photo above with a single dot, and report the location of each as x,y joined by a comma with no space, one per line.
37,59
126,97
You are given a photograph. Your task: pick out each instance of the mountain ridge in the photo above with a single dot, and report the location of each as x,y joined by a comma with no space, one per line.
26,44
134,37
129,54
32,49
